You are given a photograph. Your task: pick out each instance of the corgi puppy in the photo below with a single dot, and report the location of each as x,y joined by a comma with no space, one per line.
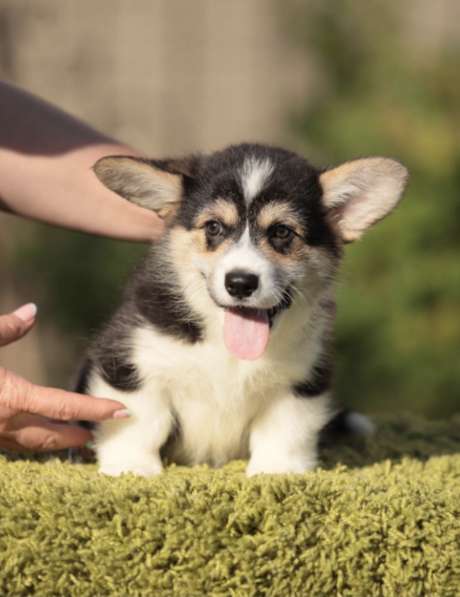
222,346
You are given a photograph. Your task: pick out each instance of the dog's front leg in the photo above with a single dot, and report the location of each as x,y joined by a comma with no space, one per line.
132,445
284,437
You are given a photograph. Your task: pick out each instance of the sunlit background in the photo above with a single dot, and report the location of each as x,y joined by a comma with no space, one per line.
331,79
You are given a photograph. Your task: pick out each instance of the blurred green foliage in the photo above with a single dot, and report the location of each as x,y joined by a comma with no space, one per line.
80,276
77,280
379,92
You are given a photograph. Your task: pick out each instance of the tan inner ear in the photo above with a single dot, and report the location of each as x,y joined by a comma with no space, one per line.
168,213
334,180
359,193
141,183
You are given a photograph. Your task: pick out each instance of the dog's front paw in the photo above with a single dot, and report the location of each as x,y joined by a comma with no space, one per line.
279,466
143,468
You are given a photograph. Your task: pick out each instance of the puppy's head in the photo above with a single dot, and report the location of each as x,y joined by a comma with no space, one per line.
255,226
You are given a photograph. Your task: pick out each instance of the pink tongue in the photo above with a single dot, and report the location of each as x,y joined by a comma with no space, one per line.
246,332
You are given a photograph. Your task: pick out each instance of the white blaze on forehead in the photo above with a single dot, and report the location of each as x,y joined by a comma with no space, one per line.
254,175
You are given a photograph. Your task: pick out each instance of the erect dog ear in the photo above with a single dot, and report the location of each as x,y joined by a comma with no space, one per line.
153,184
358,194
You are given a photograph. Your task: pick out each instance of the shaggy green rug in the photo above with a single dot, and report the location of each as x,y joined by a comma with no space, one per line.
381,517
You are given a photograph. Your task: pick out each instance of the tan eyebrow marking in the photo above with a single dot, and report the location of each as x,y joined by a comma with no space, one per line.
279,212
223,210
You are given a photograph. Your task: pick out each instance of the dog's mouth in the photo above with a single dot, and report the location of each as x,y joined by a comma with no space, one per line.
247,330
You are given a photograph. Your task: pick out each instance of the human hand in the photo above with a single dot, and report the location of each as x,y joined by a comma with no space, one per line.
28,412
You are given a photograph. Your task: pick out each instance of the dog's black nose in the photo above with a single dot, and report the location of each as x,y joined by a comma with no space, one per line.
241,284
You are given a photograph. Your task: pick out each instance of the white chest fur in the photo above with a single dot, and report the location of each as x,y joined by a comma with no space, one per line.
213,395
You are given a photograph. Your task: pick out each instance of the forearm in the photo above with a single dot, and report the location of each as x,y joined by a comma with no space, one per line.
45,171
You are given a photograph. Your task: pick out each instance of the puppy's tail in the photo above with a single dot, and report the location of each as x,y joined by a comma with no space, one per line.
348,422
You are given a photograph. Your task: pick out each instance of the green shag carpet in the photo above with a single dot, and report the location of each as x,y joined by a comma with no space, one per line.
380,517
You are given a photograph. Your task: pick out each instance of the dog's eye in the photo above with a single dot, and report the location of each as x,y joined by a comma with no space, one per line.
281,232
214,228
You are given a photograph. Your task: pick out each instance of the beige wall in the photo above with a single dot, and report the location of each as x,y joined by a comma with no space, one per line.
166,75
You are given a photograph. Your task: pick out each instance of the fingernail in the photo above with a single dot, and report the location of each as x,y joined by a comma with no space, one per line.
26,312
121,414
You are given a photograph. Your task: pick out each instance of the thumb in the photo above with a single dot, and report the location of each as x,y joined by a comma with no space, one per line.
32,432
17,324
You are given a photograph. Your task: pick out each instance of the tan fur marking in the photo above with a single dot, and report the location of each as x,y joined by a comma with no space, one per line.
168,213
186,243
279,213
298,251
222,210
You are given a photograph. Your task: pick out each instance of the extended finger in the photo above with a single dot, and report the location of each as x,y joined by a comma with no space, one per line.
35,433
67,406
19,395
17,324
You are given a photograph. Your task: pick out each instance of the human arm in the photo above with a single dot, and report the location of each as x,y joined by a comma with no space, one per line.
46,158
